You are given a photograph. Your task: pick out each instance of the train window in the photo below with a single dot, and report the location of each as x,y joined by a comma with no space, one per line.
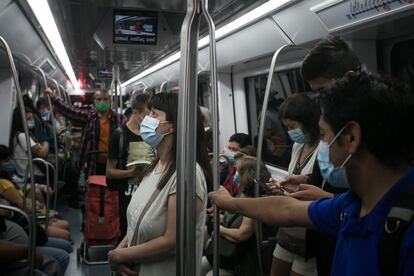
402,61
277,144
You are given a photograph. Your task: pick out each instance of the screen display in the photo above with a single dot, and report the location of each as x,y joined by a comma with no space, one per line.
104,73
136,27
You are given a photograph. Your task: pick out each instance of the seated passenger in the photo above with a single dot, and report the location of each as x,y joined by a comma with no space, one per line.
13,248
13,194
300,115
150,247
18,142
240,229
362,115
236,142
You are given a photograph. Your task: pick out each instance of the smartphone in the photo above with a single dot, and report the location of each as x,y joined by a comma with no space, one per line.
263,188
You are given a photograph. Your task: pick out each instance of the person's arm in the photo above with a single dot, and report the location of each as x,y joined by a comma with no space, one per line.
11,252
41,149
278,210
310,192
243,233
71,112
114,173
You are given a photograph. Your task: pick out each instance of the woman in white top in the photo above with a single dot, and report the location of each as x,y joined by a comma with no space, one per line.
150,246
300,115
60,228
18,142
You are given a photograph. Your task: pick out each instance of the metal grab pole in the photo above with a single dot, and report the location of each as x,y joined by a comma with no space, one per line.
52,117
43,162
29,152
258,226
57,88
30,247
186,144
163,85
55,185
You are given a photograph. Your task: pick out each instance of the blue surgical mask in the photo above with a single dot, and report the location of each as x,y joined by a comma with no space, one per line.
230,155
45,115
297,135
148,131
30,124
8,167
236,178
335,176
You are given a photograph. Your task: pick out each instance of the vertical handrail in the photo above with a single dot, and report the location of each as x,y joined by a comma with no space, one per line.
258,226
55,185
26,133
64,98
59,92
43,162
186,144
30,247
216,172
52,117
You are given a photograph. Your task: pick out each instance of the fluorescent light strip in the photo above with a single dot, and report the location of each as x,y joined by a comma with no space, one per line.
237,24
43,14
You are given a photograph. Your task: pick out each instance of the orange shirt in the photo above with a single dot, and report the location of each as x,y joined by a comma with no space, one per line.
103,144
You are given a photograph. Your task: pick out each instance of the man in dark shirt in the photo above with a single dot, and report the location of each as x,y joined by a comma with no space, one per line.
134,150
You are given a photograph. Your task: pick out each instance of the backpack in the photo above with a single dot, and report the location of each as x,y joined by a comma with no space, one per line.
398,220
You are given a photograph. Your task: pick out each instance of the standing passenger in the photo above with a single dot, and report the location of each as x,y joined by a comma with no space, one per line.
131,142
362,115
150,243
300,115
328,61
98,123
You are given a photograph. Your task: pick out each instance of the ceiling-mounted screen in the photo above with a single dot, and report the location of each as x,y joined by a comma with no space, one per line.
104,73
135,27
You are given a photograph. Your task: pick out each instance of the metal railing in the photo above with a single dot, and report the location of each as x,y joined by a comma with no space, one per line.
27,136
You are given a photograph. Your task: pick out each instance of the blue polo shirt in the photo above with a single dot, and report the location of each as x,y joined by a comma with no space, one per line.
357,243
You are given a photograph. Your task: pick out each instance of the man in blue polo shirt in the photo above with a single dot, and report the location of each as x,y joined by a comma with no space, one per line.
367,141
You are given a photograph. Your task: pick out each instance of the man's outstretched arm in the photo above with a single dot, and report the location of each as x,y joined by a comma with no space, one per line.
277,210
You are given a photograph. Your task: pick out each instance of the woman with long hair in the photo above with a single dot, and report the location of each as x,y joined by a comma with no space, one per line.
150,244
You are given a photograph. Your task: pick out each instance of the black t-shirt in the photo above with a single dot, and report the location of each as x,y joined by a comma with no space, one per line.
317,244
3,226
126,187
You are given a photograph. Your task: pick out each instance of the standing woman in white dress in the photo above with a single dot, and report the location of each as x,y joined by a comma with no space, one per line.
150,244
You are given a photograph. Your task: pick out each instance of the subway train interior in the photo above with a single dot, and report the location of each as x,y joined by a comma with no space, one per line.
73,78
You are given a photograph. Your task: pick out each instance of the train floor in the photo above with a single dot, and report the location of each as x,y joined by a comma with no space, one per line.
76,267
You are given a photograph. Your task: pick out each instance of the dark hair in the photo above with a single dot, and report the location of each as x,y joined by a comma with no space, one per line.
140,102
246,166
331,58
382,107
301,108
241,138
41,102
128,111
17,125
168,102
5,152
28,103
246,151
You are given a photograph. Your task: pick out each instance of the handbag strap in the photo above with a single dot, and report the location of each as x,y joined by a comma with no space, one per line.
141,216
